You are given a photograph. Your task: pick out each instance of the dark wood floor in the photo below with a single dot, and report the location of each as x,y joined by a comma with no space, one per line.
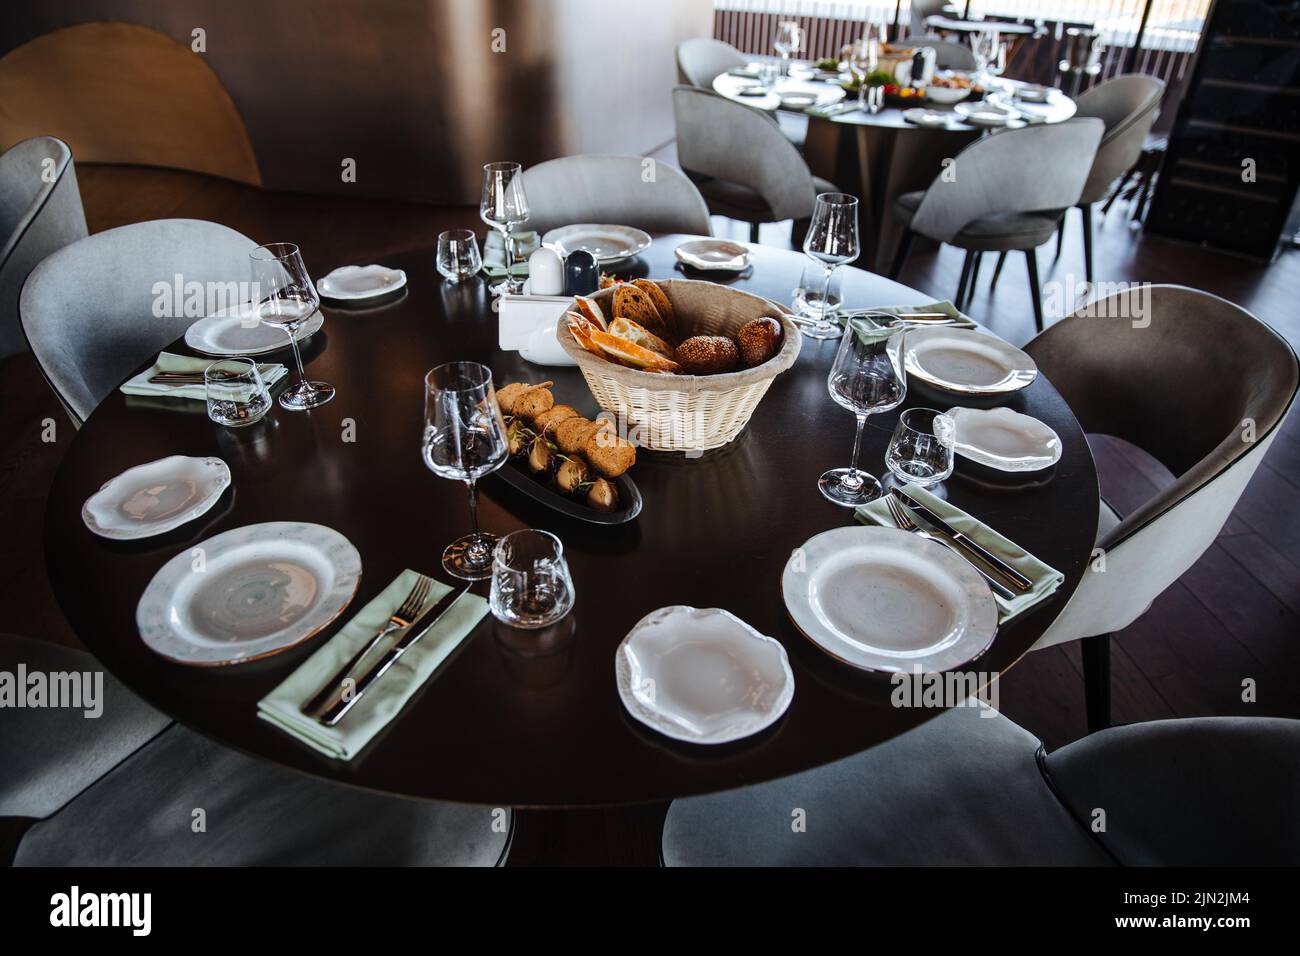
1233,616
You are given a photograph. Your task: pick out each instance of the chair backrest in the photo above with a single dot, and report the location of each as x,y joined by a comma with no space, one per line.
40,211
1128,105
700,59
1032,169
626,190
730,141
919,10
947,55
91,310
1198,383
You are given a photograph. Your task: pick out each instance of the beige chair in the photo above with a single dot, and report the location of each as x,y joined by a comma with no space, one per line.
700,60
741,162
1201,385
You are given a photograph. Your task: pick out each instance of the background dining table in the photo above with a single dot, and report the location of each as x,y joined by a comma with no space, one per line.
533,719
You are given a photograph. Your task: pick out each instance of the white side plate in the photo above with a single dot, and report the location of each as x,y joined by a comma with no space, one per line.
155,497
606,242
702,675
922,117
986,113
881,599
713,255
259,589
1004,439
239,331
360,282
966,361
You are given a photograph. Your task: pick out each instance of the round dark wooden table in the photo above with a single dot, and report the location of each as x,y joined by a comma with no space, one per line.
517,718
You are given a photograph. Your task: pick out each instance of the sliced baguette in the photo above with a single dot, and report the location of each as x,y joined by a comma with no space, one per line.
661,304
627,329
636,304
590,310
629,353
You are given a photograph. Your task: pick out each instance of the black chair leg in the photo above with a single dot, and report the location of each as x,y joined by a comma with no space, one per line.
753,232
1096,681
1060,235
1141,210
1120,188
1086,210
1035,293
965,277
997,271
901,253
974,278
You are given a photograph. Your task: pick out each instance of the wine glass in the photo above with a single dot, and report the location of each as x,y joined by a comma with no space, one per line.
921,449
503,207
789,39
867,378
864,58
984,44
287,298
832,240
464,439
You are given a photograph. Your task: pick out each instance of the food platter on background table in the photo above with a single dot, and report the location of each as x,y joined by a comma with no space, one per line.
155,497
240,331
966,361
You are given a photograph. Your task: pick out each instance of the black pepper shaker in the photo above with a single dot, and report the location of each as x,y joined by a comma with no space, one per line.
581,273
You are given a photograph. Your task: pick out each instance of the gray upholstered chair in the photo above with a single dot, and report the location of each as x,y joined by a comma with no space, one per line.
700,60
88,309
742,163
963,789
122,789
921,10
1128,105
40,211
627,190
1201,385
947,55
1004,192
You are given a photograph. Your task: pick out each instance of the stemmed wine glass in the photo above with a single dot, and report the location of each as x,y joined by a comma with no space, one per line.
789,39
864,57
504,206
288,298
464,439
985,45
867,378
832,240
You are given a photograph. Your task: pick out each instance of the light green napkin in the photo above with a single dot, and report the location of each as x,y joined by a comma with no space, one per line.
494,256
824,111
1046,578
946,307
167,362
389,694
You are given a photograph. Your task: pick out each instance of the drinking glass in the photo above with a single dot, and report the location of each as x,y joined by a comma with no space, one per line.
984,45
531,586
864,57
458,255
789,40
504,206
867,378
920,451
808,297
832,240
235,392
288,299
464,439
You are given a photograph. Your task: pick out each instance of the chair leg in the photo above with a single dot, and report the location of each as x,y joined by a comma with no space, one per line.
1060,235
753,232
997,271
1096,681
901,253
965,277
974,278
1141,210
1120,188
1035,293
1086,210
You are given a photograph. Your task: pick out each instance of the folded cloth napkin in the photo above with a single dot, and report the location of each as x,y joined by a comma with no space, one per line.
750,72
1046,578
947,308
825,111
167,362
387,696
494,257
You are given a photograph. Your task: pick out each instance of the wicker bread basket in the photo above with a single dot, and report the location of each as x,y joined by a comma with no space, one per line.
687,412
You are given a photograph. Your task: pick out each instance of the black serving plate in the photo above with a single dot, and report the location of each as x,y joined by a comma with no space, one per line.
629,496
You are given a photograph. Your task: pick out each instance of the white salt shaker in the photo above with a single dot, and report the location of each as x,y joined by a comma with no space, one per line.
545,273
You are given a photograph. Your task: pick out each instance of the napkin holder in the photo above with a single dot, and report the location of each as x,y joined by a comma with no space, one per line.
523,324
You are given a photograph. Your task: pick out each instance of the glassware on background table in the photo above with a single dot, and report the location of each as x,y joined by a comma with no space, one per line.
789,40
531,586
464,439
832,240
806,299
867,378
458,255
984,44
769,73
921,449
235,392
288,299
504,206
864,57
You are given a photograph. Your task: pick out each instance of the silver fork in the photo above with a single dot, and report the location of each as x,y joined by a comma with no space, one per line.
905,522
401,618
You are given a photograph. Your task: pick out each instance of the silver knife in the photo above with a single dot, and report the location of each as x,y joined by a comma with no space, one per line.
418,629
1007,571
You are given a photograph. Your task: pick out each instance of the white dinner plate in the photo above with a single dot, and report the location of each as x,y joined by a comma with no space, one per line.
155,497
924,117
1004,439
882,599
984,113
966,361
248,593
347,283
713,255
239,331
702,675
607,243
